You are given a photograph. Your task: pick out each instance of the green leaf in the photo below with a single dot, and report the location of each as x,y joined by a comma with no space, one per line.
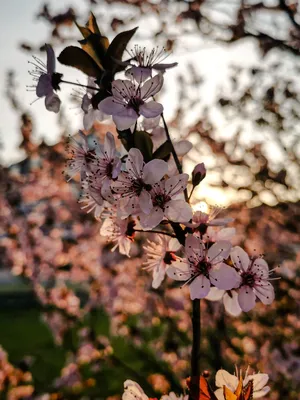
164,151
116,49
78,58
143,142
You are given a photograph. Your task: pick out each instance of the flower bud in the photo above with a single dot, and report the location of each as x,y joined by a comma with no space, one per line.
198,174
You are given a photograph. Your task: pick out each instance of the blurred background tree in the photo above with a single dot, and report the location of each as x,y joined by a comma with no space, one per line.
243,120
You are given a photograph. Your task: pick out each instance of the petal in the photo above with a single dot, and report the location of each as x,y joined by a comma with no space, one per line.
224,277
44,85
219,251
124,246
179,271
176,184
183,147
85,104
50,59
265,293
194,248
153,219
231,303
135,163
259,381
140,74
178,211
173,245
122,90
154,170
110,106
261,392
152,86
215,294
219,394
225,378
52,102
151,109
145,202
260,267
246,298
239,258
226,234
124,122
151,123
158,275
109,145
162,67
199,288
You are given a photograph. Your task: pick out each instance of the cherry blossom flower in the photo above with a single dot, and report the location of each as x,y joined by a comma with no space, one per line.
128,101
199,173
81,157
134,185
173,396
47,80
202,220
224,378
91,114
91,198
204,267
119,231
133,391
214,235
166,203
254,279
229,298
146,62
160,255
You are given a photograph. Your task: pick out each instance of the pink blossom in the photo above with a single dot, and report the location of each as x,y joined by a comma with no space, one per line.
254,279
81,156
202,220
229,298
204,267
134,185
198,174
119,231
160,255
128,101
166,204
47,80
146,62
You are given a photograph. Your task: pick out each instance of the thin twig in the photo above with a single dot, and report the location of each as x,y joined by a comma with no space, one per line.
173,151
154,231
195,359
79,84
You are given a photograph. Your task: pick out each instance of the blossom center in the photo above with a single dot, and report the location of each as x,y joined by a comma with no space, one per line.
135,103
138,185
130,232
248,279
203,268
169,257
160,200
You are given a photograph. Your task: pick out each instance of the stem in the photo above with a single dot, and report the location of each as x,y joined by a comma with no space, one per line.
191,192
195,359
79,84
173,151
154,231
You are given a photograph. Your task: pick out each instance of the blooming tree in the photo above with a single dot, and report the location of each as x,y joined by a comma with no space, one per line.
139,187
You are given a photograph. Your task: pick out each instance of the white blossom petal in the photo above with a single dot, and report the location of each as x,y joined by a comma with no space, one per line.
173,245
154,171
183,147
199,288
219,251
178,211
52,102
240,258
179,271
150,221
152,86
135,162
224,277
145,202
110,106
50,59
215,294
259,381
124,122
151,109
231,303
44,85
225,378
265,293
176,184
246,298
